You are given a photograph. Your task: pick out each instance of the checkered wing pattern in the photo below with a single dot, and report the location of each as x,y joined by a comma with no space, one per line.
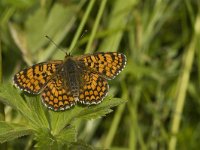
34,78
94,88
56,96
80,79
107,64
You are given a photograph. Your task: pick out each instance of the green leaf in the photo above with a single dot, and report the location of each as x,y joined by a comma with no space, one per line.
48,141
96,111
10,131
60,119
10,96
36,106
81,145
45,140
61,130
33,113
67,135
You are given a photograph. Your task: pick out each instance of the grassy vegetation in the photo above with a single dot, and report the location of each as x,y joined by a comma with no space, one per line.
157,94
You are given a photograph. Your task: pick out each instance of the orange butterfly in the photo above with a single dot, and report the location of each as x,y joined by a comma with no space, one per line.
63,83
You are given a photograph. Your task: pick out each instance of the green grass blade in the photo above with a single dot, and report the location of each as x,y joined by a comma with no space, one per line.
117,20
2,114
183,84
81,26
94,29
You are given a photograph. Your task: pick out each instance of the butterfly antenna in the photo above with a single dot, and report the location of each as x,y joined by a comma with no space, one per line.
76,44
84,33
54,43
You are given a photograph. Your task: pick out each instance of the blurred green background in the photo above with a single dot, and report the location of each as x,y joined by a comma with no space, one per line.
157,94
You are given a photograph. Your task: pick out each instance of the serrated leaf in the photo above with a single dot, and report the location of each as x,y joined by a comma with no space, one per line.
32,111
60,119
36,106
97,111
48,141
45,140
10,131
10,95
81,145
67,135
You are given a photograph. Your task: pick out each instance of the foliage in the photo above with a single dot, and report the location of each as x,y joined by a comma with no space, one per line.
160,83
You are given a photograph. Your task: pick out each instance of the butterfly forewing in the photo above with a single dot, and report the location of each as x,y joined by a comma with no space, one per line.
34,78
106,64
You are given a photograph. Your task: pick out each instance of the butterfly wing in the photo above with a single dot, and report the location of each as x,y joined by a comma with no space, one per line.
56,95
107,64
34,78
94,88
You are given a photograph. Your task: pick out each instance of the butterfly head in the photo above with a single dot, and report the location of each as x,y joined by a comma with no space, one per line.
67,55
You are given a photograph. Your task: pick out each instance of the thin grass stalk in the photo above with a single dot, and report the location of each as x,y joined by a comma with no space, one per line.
114,126
133,110
96,25
182,86
116,120
2,114
81,26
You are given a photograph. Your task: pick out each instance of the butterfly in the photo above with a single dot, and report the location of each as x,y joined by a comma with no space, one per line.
76,79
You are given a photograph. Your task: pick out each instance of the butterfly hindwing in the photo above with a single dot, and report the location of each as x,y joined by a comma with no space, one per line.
94,88
56,96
